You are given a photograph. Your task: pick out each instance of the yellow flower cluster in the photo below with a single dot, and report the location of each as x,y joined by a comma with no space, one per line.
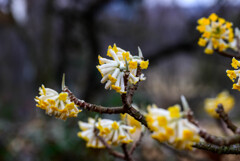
224,98
234,74
170,127
129,120
113,133
112,71
56,104
217,33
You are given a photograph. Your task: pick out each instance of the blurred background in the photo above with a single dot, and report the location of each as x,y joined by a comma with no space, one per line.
41,40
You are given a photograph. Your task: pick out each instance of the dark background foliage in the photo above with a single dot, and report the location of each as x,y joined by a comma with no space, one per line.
41,40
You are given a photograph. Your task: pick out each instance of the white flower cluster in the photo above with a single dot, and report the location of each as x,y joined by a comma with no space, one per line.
170,127
236,41
114,133
113,71
56,104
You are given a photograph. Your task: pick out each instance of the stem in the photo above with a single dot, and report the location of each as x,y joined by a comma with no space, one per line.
128,157
109,148
229,55
108,110
232,149
227,121
134,87
93,107
222,126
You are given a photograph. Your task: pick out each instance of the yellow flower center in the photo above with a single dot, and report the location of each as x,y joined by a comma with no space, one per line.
187,135
162,121
51,101
125,55
231,74
63,96
115,125
44,90
133,64
115,48
235,64
99,59
144,64
70,106
235,86
111,78
116,88
133,130
104,131
160,137
169,131
174,111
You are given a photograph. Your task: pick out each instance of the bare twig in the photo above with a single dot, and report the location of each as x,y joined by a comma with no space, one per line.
191,119
92,107
211,138
134,87
218,140
232,149
138,116
128,156
126,104
222,126
108,110
238,45
227,121
226,54
108,147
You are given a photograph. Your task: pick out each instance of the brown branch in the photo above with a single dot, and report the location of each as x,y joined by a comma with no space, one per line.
191,119
137,115
128,156
93,107
222,126
232,149
229,55
134,87
108,110
108,147
227,121
136,144
211,138
218,140
238,45
124,95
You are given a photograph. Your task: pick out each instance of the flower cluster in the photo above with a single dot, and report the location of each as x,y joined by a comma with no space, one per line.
56,104
224,98
217,33
234,74
129,120
113,133
113,70
235,44
170,127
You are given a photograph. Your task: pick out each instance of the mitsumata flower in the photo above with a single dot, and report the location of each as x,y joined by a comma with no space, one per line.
234,74
113,132
56,104
129,120
217,33
170,127
113,70
234,45
224,98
